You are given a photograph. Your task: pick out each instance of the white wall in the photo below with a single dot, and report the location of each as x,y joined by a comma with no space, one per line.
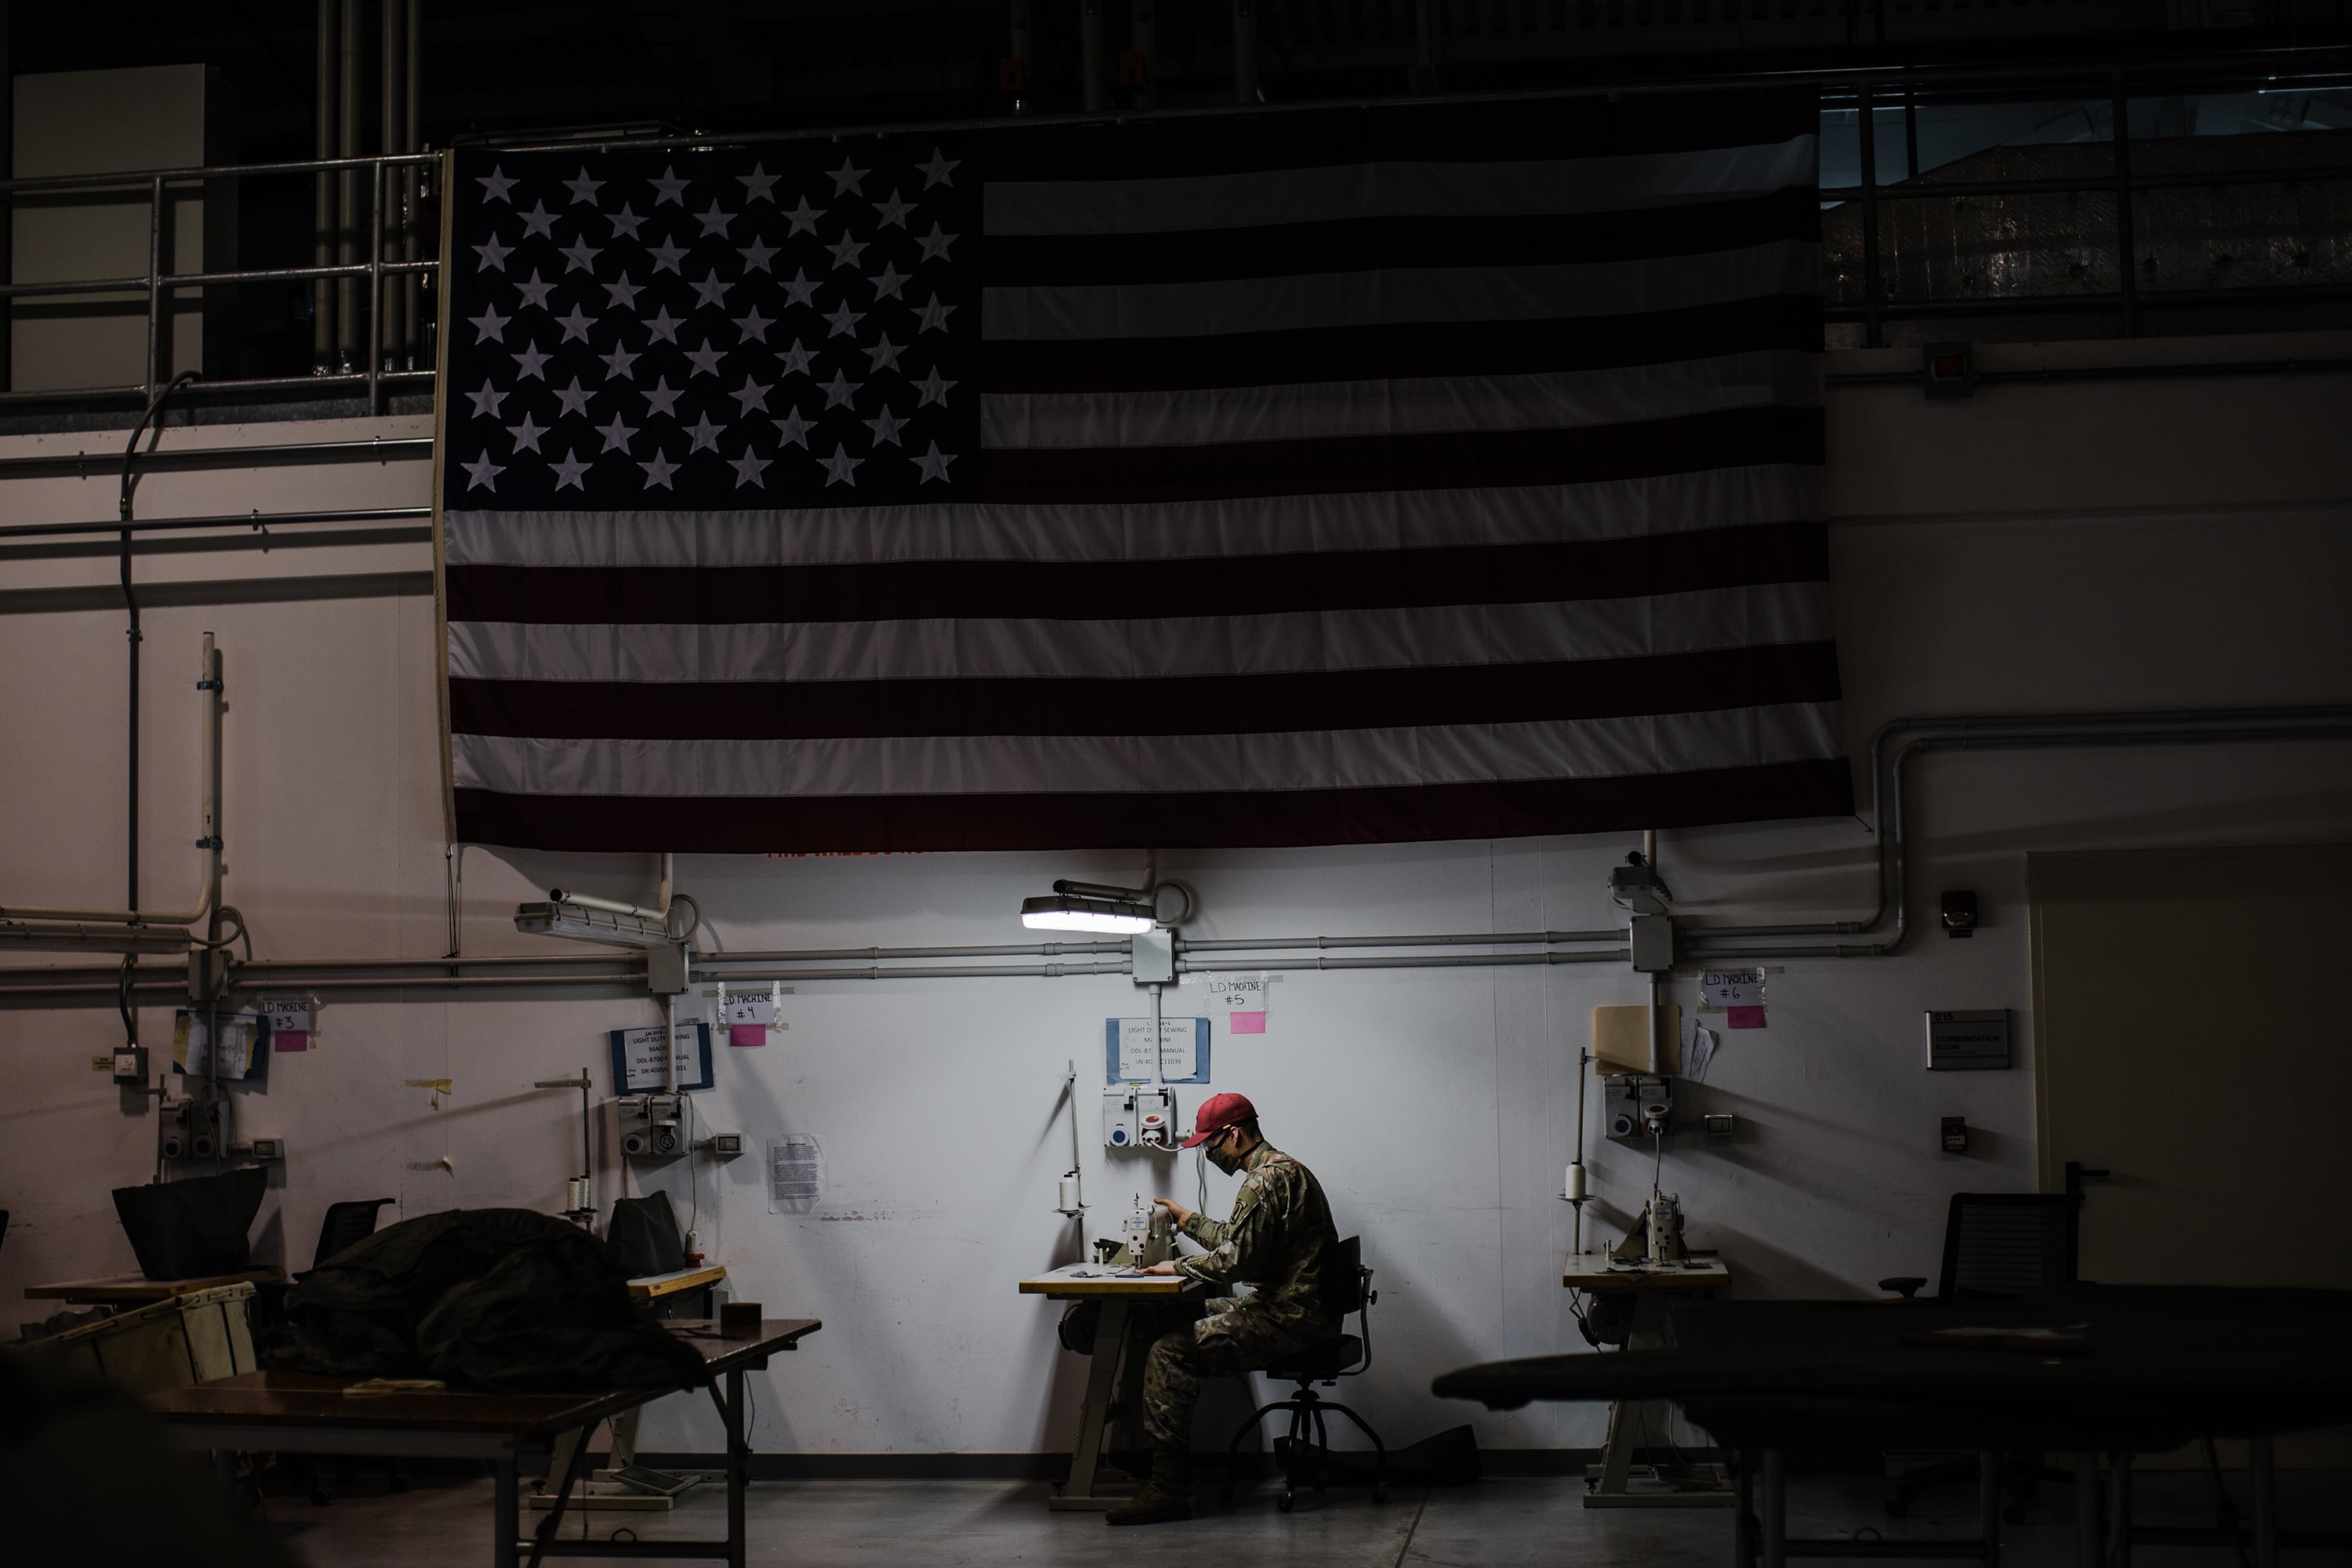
2103,544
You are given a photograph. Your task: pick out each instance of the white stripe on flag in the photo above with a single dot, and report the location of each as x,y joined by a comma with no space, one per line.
1055,764
1407,404
1395,190
1444,635
1379,296
1158,530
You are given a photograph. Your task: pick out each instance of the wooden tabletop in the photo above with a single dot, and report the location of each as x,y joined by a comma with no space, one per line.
139,1287
306,1399
651,1287
1098,1280
1594,1271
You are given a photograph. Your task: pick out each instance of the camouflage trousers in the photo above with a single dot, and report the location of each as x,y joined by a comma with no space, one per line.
1188,1343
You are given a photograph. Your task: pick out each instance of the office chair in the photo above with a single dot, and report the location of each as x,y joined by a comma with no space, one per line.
344,1225
1346,1288
1997,1247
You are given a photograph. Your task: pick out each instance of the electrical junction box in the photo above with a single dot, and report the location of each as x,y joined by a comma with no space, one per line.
1634,1102
1653,941
650,1126
1140,1116
193,1129
128,1066
1968,1039
1153,956
266,1148
722,1145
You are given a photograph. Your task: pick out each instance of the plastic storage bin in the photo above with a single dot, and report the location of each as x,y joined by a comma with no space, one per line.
189,1339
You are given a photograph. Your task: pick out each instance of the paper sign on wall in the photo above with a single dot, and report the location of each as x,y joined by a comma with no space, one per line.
240,1054
1184,1051
795,1173
1731,988
749,1014
637,1066
1698,1049
289,1025
1242,999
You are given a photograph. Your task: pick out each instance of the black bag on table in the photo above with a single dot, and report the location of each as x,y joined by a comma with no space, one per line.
192,1229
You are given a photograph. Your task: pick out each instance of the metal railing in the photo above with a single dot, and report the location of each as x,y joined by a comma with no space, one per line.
163,187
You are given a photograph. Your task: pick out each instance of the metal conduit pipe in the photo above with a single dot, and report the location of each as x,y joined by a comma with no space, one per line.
876,954
347,190
322,218
2218,722
391,100
1496,938
1418,961
208,839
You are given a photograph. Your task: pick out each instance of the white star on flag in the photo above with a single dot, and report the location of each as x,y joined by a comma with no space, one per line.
617,363
935,171
582,256
935,243
481,473
843,319
934,464
569,471
666,255
894,210
669,188
845,178
889,281
793,429
617,436
705,359
535,292
886,428
497,183
802,218
575,399
575,325
662,400
704,435
526,433
658,471
800,291
622,292
837,390
845,250
754,326
490,326
933,316
757,255
713,292
841,467
795,359
663,325
714,221
751,394
540,222
529,359
758,185
487,401
626,222
583,189
884,354
747,469
934,388
494,255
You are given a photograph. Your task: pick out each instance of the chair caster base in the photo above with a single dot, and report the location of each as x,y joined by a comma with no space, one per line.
1287,1501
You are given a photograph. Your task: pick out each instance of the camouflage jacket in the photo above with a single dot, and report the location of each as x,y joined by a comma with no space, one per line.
1275,1240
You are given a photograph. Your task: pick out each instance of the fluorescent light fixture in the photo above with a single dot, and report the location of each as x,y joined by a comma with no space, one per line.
1073,912
1120,911
581,923
66,937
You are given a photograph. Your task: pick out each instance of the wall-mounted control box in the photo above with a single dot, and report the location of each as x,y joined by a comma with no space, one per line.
1636,1106
1140,1116
193,1129
1968,1038
650,1126
721,1145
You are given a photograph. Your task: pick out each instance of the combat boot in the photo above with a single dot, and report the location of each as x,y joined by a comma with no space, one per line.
1167,1496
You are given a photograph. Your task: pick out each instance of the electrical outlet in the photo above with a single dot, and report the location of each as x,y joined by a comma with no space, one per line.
722,1145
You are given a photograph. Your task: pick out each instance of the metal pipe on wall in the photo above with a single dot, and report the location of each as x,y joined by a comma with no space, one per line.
1245,89
322,201
411,187
347,190
1090,54
390,304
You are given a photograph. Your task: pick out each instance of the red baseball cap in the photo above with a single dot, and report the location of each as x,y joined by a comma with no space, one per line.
1218,1112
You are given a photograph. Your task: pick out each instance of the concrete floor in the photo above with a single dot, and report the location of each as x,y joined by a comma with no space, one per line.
1503,1522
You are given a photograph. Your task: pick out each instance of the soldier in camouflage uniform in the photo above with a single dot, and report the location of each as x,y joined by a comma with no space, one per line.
1275,1241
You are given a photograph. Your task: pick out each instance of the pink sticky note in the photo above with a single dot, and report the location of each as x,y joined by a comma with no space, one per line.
290,1039
1744,1017
1248,1023
746,1034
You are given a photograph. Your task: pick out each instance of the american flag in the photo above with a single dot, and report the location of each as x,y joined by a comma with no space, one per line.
1325,476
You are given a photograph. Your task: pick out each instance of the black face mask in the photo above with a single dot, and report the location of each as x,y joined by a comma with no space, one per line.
1228,1163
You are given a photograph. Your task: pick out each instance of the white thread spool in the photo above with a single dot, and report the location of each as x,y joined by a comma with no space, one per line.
1573,1188
1069,1193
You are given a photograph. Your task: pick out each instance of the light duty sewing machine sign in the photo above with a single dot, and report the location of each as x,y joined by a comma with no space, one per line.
291,1026
748,1015
1184,1051
637,1059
